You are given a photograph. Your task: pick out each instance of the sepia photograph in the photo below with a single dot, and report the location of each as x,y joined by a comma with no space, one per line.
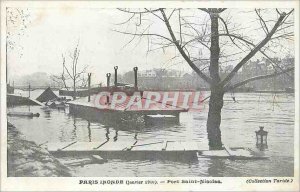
142,91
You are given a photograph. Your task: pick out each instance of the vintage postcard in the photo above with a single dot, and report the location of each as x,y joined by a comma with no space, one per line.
149,96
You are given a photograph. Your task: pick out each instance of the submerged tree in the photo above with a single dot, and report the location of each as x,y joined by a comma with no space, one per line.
61,79
71,72
194,33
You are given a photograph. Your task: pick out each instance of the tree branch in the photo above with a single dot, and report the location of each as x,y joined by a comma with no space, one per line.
227,31
126,20
143,34
262,22
179,20
153,14
64,65
227,88
192,65
261,51
138,12
171,14
253,52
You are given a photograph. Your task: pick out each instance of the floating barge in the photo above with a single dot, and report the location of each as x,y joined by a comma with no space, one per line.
90,111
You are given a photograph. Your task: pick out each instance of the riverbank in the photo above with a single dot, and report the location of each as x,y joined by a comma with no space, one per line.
27,159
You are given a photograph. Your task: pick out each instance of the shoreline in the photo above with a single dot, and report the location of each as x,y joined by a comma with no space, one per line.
27,159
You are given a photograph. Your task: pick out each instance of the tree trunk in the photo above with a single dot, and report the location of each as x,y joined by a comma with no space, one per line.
64,82
214,119
217,93
74,89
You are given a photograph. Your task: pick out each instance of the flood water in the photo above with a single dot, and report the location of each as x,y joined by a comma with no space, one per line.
240,120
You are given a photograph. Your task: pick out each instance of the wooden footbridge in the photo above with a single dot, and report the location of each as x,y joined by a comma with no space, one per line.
129,149
141,150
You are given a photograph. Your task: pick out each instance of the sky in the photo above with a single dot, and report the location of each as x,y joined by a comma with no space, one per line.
56,31
53,32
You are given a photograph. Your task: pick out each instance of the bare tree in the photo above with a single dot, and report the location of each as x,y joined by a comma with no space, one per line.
61,78
196,35
73,72
17,20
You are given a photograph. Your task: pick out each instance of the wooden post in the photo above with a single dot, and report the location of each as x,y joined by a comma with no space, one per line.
107,84
89,86
116,75
108,79
135,69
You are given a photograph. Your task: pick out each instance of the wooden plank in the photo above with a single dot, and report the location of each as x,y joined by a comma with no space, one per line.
241,152
152,146
127,145
202,146
215,153
194,146
174,146
82,146
116,146
58,145
236,154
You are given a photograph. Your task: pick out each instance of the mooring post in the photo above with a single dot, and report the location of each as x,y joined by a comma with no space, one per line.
107,84
108,79
116,75
89,86
135,69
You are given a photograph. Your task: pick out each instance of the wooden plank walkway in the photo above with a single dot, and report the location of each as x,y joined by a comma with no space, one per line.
177,150
133,145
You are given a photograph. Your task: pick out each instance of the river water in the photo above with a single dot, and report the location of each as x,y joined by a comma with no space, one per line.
240,120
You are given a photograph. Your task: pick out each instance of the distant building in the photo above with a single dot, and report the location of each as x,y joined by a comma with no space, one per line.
147,73
163,79
264,67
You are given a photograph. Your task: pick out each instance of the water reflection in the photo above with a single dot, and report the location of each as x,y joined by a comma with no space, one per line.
262,146
74,134
107,133
47,112
89,131
135,136
216,167
116,135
